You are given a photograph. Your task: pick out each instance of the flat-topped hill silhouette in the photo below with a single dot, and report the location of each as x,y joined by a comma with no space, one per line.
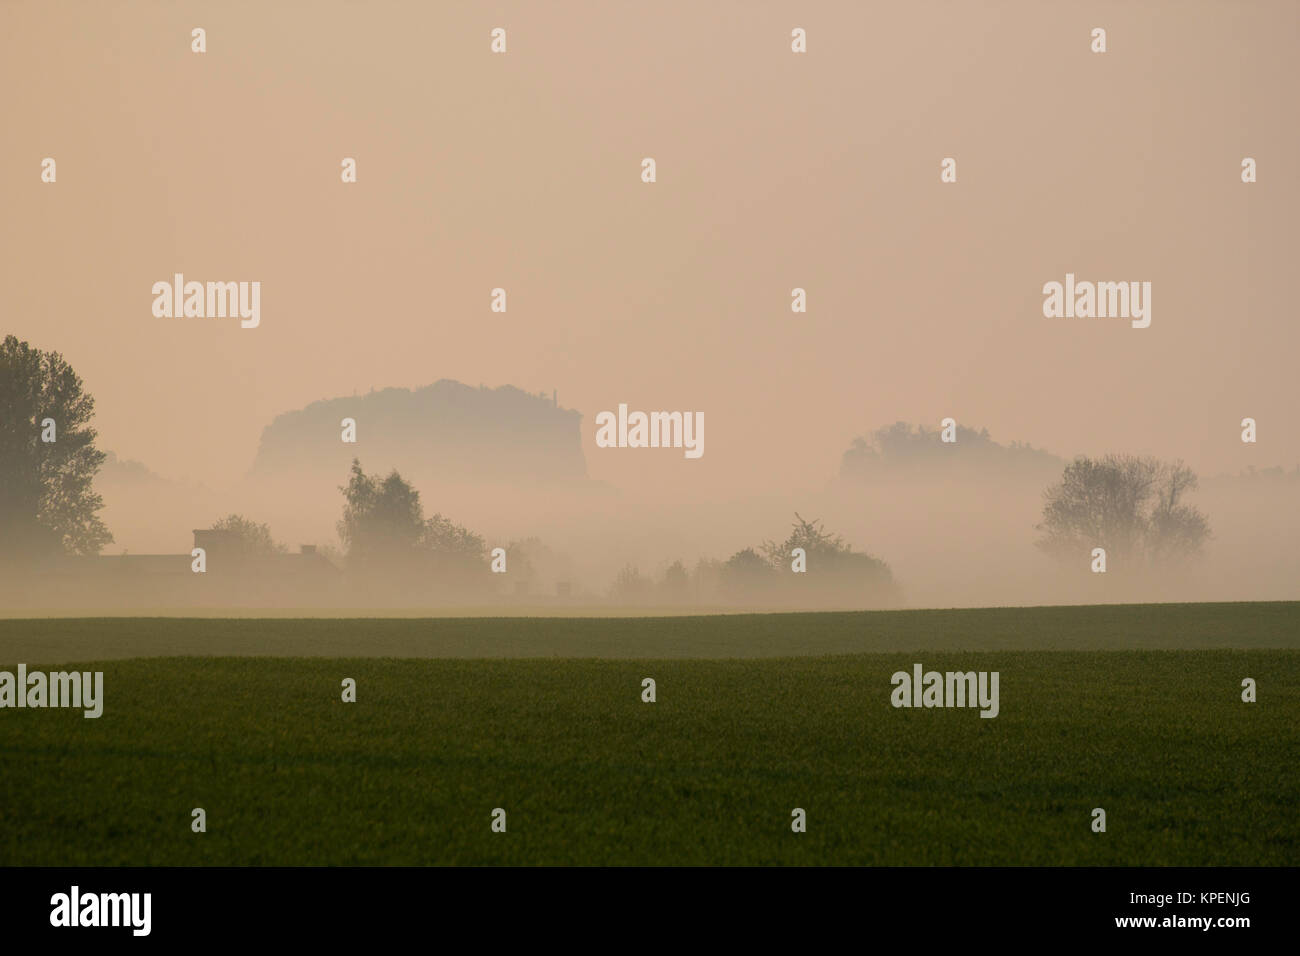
447,430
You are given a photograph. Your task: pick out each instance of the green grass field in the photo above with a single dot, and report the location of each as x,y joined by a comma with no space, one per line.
289,774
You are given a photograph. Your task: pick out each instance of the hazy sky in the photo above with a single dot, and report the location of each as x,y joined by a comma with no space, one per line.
775,170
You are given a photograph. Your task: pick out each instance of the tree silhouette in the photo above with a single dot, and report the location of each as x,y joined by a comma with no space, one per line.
249,537
47,500
382,518
630,585
746,571
676,581
1131,506
384,529
833,565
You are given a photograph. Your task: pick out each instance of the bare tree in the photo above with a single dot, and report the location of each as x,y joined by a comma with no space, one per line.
1129,505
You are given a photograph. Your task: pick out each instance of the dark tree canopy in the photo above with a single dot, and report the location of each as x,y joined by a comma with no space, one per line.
832,570
383,527
249,537
831,561
444,538
903,449
820,545
47,500
677,581
746,571
1131,506
382,519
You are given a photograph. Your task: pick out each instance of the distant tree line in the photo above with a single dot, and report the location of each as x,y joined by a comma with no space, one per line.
810,566
902,449
1136,508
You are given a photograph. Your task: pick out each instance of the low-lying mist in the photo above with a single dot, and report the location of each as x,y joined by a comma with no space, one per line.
948,541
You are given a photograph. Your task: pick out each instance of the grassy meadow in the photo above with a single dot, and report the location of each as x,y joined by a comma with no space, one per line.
1133,709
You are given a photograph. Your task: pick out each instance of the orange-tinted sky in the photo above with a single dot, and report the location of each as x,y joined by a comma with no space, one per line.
775,170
